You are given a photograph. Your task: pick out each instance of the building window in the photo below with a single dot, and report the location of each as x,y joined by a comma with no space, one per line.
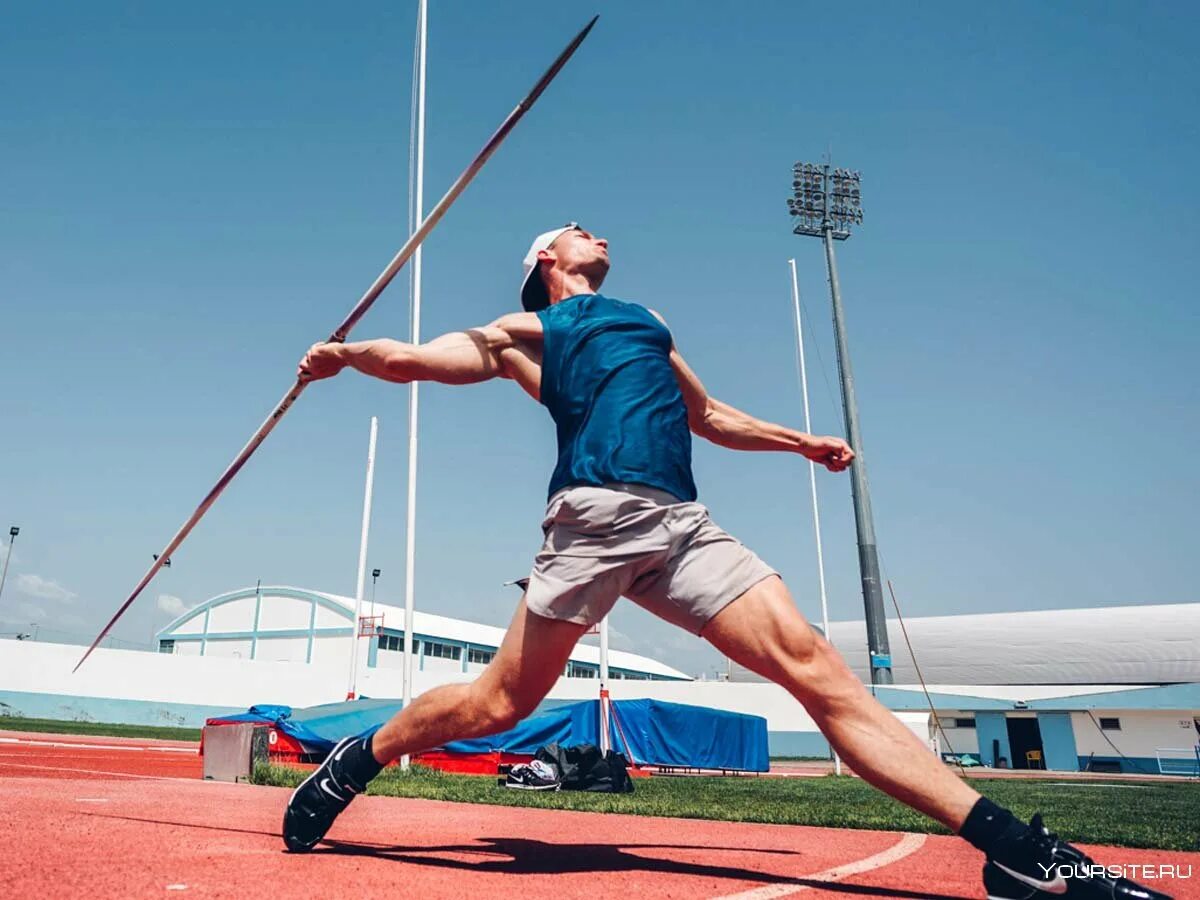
578,670
396,642
480,656
166,646
963,723
1110,724
442,651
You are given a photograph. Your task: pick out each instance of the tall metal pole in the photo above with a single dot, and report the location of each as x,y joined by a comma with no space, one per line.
812,475
825,203
12,539
414,393
360,582
868,558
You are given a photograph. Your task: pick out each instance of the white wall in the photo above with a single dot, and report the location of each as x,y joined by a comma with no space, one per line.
285,614
232,649
327,618
391,659
290,649
1142,732
236,615
331,651
440,665
961,740
27,666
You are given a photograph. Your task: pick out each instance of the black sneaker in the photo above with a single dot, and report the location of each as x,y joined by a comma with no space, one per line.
319,799
1040,866
537,776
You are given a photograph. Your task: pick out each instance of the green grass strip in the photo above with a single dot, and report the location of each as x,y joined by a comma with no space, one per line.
105,729
1153,815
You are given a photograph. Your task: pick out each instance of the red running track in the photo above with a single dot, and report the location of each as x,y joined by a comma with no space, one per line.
132,818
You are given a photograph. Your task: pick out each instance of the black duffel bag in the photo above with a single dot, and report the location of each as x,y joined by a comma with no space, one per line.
583,768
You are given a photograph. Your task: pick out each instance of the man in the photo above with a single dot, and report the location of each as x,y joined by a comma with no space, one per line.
622,521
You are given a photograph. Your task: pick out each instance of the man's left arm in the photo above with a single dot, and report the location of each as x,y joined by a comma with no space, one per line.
728,426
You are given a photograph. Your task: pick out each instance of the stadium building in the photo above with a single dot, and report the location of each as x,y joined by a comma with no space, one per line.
295,625
1109,689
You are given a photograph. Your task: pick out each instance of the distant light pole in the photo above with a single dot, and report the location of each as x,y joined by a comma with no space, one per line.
374,578
12,539
825,203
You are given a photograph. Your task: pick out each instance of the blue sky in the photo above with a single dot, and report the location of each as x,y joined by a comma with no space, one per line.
194,194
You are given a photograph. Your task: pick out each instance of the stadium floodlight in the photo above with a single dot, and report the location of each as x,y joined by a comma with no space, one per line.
824,198
826,202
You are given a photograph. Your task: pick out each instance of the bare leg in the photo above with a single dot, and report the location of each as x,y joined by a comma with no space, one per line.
763,631
531,658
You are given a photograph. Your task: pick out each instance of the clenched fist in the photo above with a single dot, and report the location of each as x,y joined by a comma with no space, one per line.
321,361
831,452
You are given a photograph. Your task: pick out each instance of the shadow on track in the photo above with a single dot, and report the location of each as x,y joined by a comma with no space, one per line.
101,815
524,856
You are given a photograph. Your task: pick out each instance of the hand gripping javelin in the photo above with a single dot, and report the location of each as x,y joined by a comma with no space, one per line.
343,330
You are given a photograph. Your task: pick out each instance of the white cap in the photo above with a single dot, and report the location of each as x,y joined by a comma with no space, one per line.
533,289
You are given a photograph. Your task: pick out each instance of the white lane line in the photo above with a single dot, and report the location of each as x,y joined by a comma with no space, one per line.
908,845
74,746
8,765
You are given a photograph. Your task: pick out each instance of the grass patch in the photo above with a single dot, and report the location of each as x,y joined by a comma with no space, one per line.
105,729
1158,816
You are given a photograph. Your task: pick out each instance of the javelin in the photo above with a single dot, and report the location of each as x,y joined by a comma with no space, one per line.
343,330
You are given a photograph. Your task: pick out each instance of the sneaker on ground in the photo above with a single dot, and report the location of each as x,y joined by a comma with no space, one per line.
1040,866
537,776
319,799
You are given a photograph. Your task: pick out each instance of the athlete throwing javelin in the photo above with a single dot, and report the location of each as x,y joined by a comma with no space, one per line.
623,520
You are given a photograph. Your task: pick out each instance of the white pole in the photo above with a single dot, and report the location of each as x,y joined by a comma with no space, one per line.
604,728
411,530
352,690
812,471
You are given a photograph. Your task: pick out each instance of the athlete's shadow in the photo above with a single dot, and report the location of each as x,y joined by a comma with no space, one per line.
522,856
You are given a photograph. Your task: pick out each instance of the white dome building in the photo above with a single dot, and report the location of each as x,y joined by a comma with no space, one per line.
289,624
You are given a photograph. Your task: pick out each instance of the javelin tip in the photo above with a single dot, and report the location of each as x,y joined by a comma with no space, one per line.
557,65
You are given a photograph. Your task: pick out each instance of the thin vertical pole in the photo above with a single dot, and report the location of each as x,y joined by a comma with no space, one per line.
604,701
812,474
7,559
413,388
868,558
360,583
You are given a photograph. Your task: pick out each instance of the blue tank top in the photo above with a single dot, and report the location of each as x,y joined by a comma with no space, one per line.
608,383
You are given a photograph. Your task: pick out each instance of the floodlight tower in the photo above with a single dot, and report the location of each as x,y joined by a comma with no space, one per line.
825,203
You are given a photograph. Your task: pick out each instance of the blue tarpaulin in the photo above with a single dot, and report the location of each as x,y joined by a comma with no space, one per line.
649,732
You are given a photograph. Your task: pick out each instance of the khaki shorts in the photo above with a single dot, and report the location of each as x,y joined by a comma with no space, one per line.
628,540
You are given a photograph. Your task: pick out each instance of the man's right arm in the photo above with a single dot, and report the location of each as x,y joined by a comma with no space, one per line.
462,357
